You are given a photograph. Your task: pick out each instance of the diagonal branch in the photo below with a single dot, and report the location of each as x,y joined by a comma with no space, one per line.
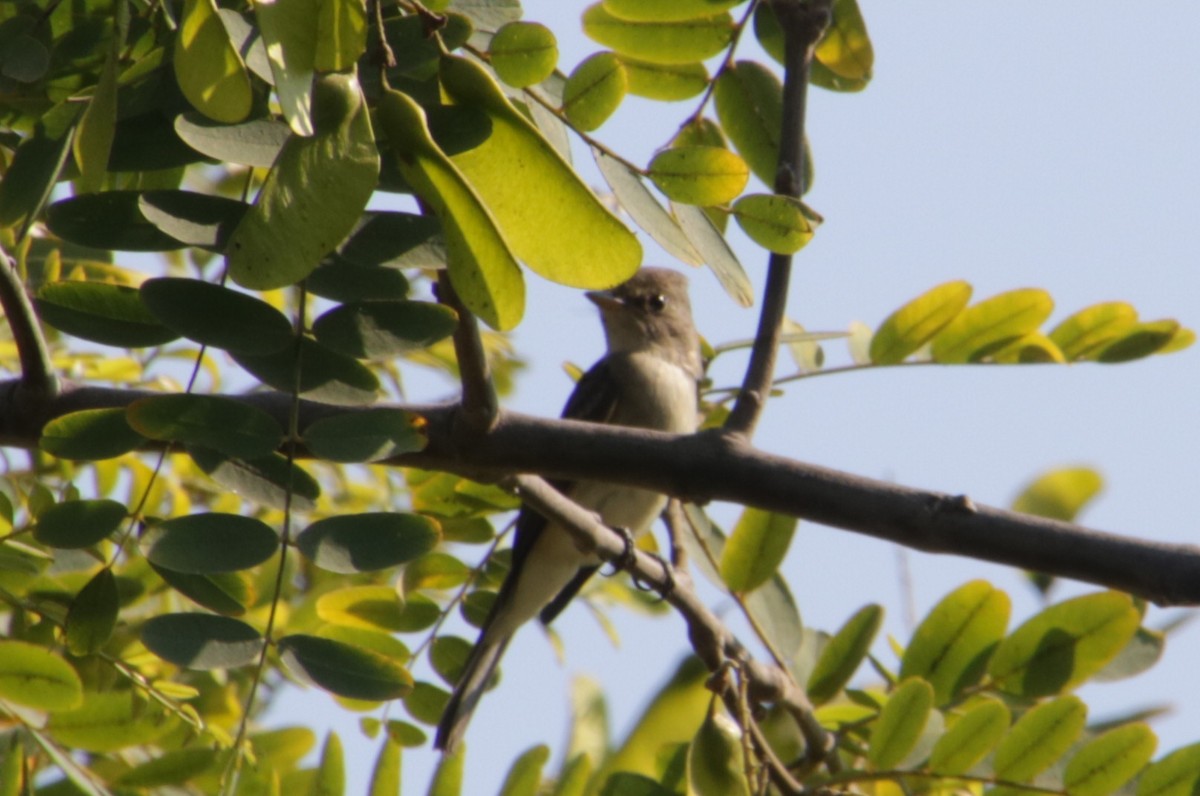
37,376
480,407
803,23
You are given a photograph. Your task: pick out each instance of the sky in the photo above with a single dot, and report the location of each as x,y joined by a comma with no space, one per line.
1013,145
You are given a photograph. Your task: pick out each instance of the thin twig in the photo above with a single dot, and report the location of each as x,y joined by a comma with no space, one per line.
37,375
803,23
479,408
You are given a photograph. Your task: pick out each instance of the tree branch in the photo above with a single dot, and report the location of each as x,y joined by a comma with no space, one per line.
480,406
713,466
803,23
37,376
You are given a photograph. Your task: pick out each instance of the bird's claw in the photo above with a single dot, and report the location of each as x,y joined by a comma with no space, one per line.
668,573
628,555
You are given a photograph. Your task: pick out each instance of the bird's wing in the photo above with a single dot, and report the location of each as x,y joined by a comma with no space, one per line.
594,399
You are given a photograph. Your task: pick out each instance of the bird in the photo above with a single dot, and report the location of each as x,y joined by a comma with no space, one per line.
648,378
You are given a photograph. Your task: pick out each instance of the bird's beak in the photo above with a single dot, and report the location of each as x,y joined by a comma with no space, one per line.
605,300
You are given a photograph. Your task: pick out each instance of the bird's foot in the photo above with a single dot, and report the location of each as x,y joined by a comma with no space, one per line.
668,574
628,555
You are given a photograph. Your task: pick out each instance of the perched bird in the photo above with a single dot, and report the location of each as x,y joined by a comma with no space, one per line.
648,378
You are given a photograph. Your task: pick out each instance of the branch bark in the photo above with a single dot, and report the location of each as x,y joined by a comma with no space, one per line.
711,466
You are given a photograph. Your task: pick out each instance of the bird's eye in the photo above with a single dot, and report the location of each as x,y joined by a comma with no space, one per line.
656,303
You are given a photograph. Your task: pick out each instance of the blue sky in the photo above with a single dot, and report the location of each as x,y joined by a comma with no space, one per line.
1018,144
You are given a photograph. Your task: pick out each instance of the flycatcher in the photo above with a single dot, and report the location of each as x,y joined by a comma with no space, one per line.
648,379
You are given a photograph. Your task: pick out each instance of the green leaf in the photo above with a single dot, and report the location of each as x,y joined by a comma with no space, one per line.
396,240
93,614
1177,774
844,653
175,767
352,543
406,735
1039,738
525,774
313,196
481,265
382,642
594,90
900,723
228,593
194,219
664,82
716,762
436,571
256,142
1142,340
209,69
716,253
345,670
749,102
107,721
89,434
1033,348
846,55
1107,762
341,280
778,223
970,738
555,223
674,42
109,220
35,677
75,524
33,171
914,324
384,329
755,549
209,543
448,775
448,655
201,641
645,211
1086,332
325,375
97,127
341,35
1060,494
285,746
385,775
368,436
109,314
267,480
376,608
1064,645
222,424
667,10
217,316
846,50
523,53
330,778
1143,651
981,329
289,32
699,175
951,646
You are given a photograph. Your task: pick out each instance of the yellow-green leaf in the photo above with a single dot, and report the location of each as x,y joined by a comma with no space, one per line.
914,324
846,49
755,549
900,723
209,69
289,32
699,175
341,34
676,42
970,738
716,762
777,223
1034,348
96,129
482,267
107,721
1060,494
842,655
1177,774
366,607
35,677
1140,341
1084,333
93,614
749,101
594,90
1039,738
314,195
983,328
664,82
667,10
1107,762
523,53
554,222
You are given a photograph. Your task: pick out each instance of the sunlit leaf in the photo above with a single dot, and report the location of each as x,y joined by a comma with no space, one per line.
313,196
900,723
554,222
844,654
1065,644
35,677
673,42
699,175
344,670
174,767
667,10
914,324
366,542
385,775
1108,761
201,641
970,738
107,721
664,82
366,607
523,53
982,328
777,223
222,424
289,32
755,549
341,34
1039,738
209,543
209,69
1060,494
716,764
594,90
845,50
1177,774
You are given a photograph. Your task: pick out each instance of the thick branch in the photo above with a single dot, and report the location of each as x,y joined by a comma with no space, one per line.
712,466
803,23
36,373
480,407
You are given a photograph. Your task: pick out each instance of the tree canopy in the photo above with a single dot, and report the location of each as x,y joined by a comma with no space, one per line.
227,492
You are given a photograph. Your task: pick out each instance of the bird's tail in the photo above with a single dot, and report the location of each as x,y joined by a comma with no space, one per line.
476,676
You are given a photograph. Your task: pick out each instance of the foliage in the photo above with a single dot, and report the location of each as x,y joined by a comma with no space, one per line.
152,603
